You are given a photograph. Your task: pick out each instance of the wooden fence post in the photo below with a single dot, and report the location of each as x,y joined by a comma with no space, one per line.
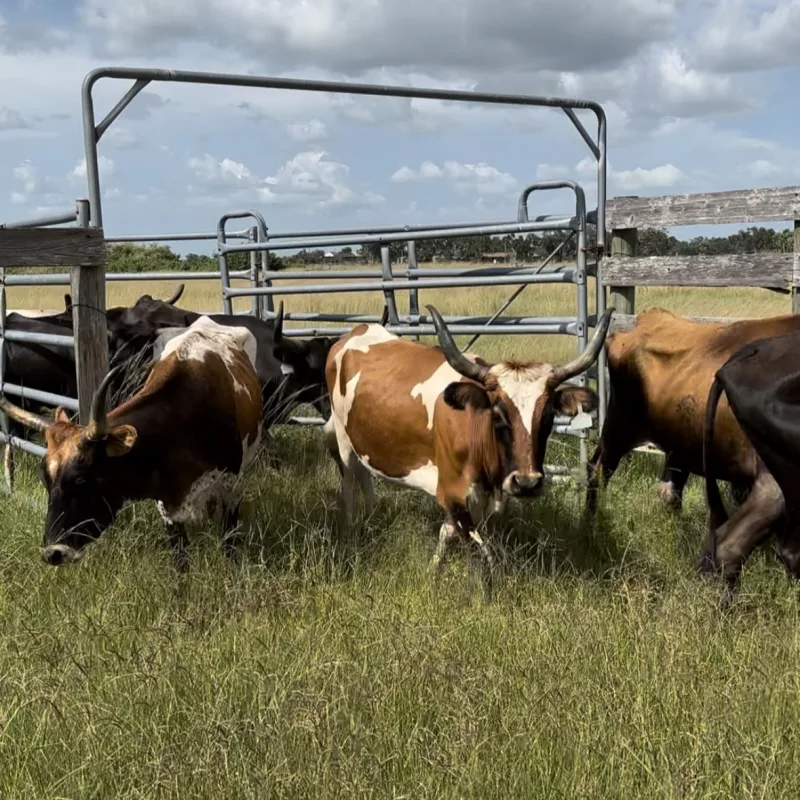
89,324
796,269
623,243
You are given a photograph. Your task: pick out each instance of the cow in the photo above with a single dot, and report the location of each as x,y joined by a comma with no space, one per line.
761,384
660,375
291,371
183,440
455,426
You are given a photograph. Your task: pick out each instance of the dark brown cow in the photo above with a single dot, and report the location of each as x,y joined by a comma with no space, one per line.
454,426
660,376
182,440
761,382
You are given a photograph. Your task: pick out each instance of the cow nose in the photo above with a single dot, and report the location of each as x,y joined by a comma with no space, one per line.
58,554
523,485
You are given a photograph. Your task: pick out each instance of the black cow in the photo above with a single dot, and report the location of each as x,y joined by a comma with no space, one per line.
291,371
762,384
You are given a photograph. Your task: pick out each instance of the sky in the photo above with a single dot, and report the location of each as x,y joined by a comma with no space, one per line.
699,94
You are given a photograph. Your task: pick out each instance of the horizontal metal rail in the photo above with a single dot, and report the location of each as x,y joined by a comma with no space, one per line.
38,338
41,397
591,218
565,276
432,272
60,279
321,316
560,224
567,329
42,222
172,237
28,447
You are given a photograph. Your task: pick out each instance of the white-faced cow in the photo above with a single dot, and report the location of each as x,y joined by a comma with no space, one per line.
460,429
182,440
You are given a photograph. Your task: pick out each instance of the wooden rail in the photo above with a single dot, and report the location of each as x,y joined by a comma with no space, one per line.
623,270
84,251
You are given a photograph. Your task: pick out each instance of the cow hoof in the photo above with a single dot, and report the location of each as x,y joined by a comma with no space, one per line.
705,566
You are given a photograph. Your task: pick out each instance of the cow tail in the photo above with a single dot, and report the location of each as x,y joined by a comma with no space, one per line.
716,508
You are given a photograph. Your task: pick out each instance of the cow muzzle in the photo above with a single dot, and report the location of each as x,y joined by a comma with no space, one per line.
519,484
59,555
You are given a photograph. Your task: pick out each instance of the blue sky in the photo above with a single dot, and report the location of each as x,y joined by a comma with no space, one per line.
700,96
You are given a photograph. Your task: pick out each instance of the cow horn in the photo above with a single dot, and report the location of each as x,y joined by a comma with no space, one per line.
588,356
384,317
457,360
26,418
98,426
278,334
177,296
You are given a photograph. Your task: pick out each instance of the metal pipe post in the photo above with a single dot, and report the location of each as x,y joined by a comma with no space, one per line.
256,304
388,293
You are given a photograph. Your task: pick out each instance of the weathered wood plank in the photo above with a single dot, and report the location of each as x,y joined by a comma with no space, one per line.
714,208
91,339
626,322
767,270
623,245
52,247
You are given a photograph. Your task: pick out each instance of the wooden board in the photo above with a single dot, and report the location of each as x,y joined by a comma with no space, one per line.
713,208
626,322
52,247
772,270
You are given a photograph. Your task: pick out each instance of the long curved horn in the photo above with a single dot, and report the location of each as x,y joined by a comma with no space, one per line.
27,418
98,424
277,336
457,360
177,296
384,317
588,356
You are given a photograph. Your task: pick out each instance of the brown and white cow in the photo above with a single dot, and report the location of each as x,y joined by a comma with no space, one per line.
182,440
452,425
660,375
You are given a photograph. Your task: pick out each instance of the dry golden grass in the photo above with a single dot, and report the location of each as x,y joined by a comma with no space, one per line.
552,300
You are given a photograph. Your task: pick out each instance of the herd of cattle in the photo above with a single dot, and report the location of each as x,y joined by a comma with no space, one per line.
719,399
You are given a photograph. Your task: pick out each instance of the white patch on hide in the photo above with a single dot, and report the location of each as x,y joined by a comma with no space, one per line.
524,387
431,389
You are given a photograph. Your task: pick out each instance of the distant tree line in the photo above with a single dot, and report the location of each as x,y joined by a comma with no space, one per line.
132,257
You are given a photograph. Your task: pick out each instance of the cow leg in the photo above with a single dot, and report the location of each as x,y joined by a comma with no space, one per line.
672,483
447,535
616,441
746,528
231,509
788,546
466,527
179,544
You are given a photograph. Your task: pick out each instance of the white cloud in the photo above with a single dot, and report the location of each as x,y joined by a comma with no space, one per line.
12,120
482,178
742,36
308,179
120,138
762,169
663,177
311,131
105,166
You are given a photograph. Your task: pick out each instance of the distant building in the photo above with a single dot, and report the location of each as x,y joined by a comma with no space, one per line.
495,257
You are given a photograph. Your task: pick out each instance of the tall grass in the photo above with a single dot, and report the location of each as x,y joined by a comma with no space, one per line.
325,666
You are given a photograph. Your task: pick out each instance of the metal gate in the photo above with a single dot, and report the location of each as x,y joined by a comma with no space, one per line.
415,279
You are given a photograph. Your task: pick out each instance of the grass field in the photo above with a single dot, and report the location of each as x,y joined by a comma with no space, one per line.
327,668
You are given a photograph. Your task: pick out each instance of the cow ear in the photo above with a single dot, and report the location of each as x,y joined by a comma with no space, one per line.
461,396
121,440
61,415
566,400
